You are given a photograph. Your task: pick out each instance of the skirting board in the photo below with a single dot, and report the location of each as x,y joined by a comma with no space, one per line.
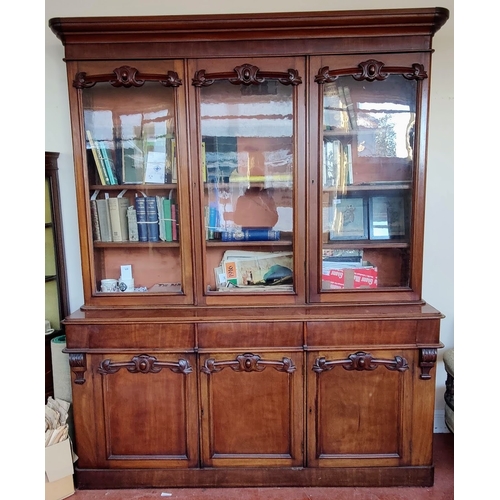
439,424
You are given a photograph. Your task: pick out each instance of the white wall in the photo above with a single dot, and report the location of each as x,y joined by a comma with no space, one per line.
438,279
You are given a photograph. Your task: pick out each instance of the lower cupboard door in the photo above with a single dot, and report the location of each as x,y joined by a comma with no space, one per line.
147,410
359,408
252,409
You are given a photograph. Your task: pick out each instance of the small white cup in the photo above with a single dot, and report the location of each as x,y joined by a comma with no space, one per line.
109,285
48,328
126,285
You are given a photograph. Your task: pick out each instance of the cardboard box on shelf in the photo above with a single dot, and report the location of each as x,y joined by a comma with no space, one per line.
364,276
59,471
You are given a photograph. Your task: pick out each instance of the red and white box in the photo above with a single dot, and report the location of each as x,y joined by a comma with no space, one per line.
351,277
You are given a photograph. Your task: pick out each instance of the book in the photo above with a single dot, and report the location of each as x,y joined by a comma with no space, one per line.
168,158
155,168
167,213
256,234
173,161
96,232
132,162
328,173
213,220
350,108
108,165
203,162
99,161
161,218
104,218
140,208
339,254
118,213
175,232
348,161
152,219
133,231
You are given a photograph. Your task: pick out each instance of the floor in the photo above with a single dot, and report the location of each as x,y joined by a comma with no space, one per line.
442,489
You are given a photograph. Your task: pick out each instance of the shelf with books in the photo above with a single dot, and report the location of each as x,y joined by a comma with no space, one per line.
371,186
244,244
366,244
136,244
136,187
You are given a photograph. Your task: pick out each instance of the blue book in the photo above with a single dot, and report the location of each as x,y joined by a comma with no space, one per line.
153,229
140,208
251,235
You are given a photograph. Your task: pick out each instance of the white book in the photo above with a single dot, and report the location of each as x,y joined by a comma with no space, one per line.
118,215
133,231
104,219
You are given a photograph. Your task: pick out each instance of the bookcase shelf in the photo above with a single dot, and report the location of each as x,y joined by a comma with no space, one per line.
136,244
133,187
272,362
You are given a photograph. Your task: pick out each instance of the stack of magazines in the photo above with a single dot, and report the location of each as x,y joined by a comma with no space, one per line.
255,271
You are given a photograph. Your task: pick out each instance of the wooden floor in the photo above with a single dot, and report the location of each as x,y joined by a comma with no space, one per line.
443,488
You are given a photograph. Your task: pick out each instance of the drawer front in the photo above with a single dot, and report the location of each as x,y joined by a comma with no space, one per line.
268,334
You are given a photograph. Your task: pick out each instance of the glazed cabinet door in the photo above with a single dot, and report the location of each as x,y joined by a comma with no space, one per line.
359,407
252,409
131,170
368,116
250,178
136,410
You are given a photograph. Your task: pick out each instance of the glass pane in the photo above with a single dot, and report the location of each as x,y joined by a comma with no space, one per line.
247,139
131,155
367,171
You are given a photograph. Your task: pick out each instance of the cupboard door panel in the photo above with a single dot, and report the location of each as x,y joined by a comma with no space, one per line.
358,408
148,410
258,424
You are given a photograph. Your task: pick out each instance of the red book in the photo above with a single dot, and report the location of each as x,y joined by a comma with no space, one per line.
173,209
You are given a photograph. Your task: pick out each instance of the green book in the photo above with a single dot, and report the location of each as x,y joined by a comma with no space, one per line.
107,164
167,211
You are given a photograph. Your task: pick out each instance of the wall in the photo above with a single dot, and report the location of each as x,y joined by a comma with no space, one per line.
438,284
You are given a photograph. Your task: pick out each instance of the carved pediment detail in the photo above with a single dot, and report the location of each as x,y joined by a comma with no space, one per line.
126,76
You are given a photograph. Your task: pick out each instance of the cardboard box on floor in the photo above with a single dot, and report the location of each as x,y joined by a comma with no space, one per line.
59,471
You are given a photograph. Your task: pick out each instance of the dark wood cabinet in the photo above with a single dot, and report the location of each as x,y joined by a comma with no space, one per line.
274,330
56,287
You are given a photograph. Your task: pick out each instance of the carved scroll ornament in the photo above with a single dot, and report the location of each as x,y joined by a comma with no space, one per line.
371,70
144,364
246,74
361,361
126,76
248,362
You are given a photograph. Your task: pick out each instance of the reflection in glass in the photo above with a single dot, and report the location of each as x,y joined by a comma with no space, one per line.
367,171
131,158
248,145
247,136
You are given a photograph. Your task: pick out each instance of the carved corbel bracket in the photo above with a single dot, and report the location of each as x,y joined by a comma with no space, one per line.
144,364
78,365
427,361
248,362
126,76
361,361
